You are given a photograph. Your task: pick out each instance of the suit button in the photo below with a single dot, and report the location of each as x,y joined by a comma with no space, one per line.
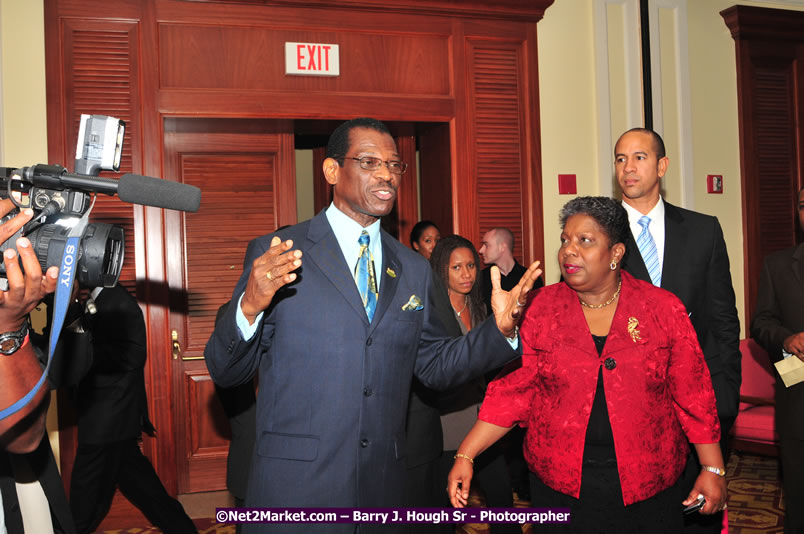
367,392
369,341
364,443
610,363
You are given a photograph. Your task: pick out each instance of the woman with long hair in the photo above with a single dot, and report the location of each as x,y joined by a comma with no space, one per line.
455,263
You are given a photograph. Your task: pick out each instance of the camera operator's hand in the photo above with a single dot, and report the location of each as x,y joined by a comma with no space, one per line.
25,290
269,273
20,371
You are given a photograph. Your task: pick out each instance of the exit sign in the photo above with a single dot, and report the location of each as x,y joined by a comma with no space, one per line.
312,59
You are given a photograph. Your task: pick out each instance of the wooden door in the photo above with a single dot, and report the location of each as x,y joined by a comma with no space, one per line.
246,171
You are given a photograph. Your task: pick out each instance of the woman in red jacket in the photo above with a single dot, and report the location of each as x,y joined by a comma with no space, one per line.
611,387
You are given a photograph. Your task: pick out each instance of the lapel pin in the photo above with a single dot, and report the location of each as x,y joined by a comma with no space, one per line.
633,323
390,272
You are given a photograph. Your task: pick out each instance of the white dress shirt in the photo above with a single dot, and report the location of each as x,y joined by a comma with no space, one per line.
656,227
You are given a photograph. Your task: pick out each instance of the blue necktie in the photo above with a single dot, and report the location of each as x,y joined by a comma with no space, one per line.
365,278
647,248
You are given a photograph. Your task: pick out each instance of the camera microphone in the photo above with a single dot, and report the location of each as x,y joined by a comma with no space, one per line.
137,189
131,188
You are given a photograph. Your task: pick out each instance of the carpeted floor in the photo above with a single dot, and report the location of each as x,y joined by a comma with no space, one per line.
755,495
755,502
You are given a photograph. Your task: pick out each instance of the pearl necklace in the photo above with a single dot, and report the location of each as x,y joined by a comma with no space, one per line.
598,306
465,302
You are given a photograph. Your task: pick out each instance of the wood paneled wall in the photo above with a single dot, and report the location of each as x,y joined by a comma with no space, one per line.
769,44
462,74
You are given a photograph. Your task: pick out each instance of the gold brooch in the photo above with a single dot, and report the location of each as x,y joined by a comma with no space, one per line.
390,272
633,323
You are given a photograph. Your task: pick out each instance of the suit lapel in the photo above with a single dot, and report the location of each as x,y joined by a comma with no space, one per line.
388,283
634,263
798,264
327,255
675,239
574,332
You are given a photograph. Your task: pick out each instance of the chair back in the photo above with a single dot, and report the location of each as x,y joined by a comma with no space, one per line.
757,372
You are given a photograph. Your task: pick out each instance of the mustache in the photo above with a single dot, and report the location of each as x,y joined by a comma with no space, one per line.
385,186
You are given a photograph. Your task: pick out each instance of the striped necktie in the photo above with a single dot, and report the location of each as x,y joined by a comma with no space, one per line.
365,277
647,248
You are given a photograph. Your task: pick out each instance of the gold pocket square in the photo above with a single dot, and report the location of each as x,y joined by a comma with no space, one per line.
414,304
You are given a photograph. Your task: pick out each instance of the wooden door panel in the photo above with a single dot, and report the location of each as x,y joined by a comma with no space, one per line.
248,190
208,432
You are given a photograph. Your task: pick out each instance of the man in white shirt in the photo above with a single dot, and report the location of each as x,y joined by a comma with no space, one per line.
684,252
337,342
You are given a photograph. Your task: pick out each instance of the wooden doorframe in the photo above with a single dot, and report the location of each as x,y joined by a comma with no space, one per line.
421,72
769,48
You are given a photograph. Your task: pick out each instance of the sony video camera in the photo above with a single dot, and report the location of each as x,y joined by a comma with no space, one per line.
61,202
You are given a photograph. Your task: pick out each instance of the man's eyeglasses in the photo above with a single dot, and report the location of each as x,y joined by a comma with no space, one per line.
372,164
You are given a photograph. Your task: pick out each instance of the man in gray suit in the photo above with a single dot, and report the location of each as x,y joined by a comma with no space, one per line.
683,252
778,325
337,341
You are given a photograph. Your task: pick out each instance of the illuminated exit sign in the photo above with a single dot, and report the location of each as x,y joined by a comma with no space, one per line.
312,59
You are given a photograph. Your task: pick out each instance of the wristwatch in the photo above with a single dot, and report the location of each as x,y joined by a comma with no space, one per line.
10,342
719,471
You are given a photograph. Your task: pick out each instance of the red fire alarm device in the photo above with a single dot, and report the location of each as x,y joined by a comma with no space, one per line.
566,184
714,183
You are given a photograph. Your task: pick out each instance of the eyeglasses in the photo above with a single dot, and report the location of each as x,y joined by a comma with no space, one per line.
372,164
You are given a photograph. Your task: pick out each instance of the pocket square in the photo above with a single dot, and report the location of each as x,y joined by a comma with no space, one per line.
414,304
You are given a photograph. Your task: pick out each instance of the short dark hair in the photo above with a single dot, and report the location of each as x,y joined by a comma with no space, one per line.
339,142
607,212
418,230
658,143
504,235
439,261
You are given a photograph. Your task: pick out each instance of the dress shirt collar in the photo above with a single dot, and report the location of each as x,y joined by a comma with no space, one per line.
656,225
347,231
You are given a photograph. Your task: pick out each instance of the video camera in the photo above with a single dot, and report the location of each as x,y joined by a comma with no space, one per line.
62,201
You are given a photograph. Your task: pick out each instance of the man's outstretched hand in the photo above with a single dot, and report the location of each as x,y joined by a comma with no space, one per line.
269,273
508,305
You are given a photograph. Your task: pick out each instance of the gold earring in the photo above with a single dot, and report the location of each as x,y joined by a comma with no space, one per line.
613,265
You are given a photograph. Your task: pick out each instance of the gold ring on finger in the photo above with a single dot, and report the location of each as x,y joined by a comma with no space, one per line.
269,275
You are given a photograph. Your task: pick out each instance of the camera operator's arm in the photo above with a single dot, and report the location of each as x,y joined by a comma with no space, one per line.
19,371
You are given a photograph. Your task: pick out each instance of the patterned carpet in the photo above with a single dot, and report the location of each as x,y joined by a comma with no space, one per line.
755,495
755,502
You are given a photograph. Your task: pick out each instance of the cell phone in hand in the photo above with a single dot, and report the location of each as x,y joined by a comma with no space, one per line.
697,505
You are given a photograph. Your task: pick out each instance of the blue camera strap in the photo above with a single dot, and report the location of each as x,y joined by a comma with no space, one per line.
64,289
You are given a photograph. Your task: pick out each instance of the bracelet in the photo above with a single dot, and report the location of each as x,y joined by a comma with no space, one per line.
719,471
459,455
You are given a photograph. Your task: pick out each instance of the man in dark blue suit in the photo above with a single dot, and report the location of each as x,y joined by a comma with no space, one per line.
338,341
